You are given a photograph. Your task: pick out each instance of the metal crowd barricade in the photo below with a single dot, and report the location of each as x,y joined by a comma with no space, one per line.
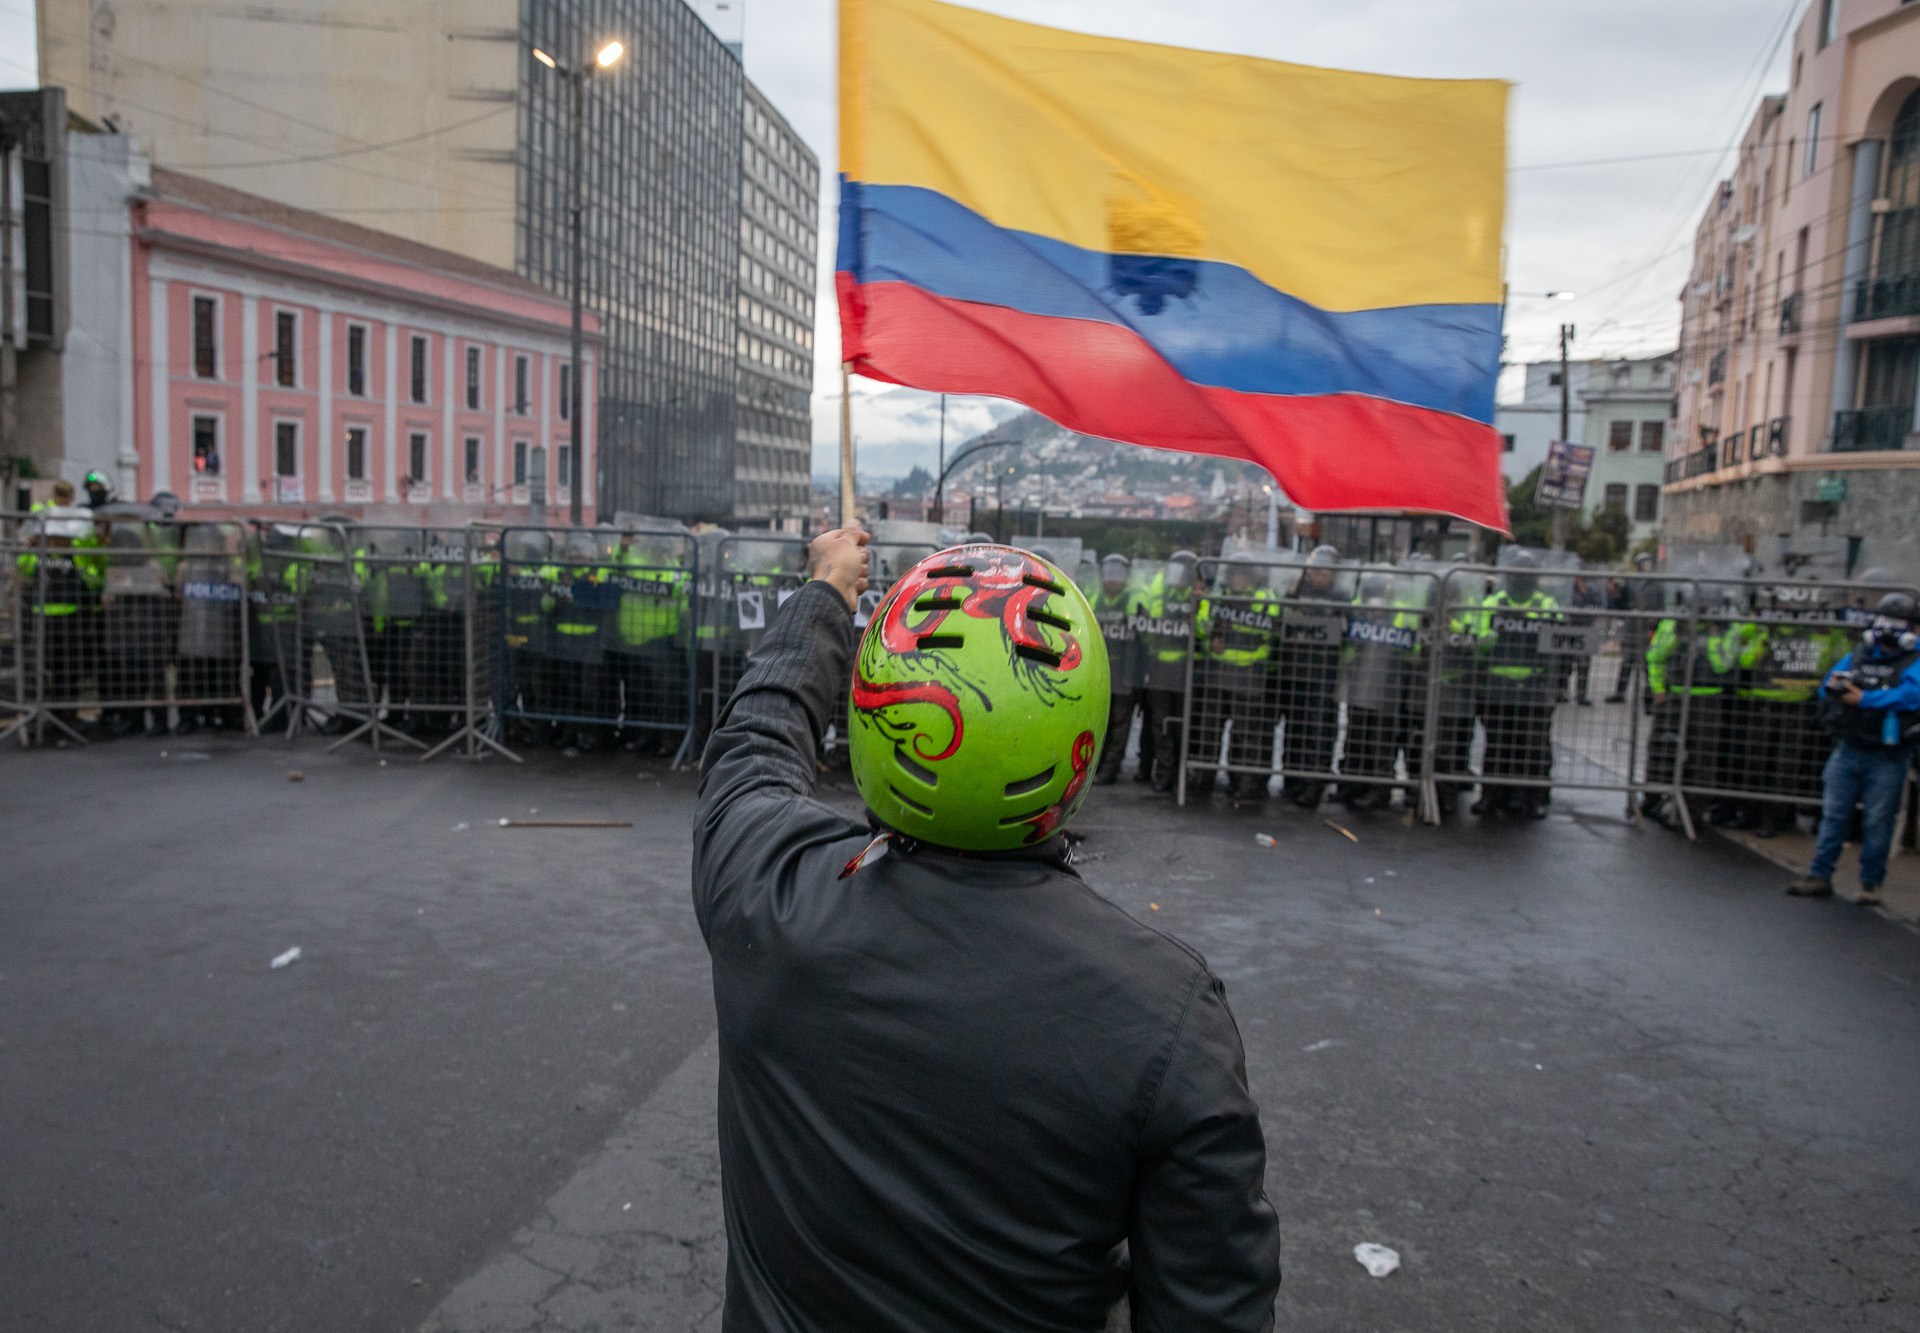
130,618
1748,747
1552,678
15,711
1318,676
322,651
753,577
597,630
427,629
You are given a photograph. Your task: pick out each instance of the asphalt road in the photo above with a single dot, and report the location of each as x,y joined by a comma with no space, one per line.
1581,1076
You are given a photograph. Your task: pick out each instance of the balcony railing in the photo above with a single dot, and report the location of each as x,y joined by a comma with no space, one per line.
1790,313
1717,368
1885,297
1861,429
1701,461
1776,441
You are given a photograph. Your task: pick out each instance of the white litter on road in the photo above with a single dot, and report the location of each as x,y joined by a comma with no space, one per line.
1266,840
461,827
281,960
1322,1044
1378,1260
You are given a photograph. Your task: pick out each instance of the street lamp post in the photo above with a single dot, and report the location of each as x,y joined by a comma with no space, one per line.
606,57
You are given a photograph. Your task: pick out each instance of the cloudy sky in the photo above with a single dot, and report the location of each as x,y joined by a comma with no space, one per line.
1665,84
1669,83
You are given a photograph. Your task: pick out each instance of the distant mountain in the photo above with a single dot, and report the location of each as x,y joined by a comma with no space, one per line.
897,430
1040,444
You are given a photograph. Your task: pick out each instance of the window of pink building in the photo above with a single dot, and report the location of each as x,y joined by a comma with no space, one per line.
357,360
286,347
417,369
206,318
521,369
473,379
206,446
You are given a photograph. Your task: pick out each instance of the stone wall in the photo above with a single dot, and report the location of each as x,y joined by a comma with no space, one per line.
1881,510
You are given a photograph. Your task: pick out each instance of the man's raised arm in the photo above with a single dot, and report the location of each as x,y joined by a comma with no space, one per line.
760,767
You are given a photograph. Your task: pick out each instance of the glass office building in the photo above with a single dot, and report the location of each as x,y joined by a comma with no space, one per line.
661,182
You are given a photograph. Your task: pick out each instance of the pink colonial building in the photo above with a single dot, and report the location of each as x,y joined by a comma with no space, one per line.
288,361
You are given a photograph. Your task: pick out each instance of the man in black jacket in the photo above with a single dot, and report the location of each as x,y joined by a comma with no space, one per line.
957,1089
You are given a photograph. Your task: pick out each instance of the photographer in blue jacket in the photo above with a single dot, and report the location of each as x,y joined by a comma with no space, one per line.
1871,704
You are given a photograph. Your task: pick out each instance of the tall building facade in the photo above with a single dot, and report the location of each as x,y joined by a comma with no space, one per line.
1528,424
1800,320
1628,410
779,242
431,121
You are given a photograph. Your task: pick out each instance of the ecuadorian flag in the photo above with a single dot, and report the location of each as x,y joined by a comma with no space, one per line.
1295,266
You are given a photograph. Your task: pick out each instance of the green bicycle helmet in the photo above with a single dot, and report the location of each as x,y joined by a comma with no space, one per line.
980,695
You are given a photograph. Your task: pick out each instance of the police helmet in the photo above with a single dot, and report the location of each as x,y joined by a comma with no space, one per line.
165,503
1375,585
1898,606
1180,569
1115,566
1045,553
1323,557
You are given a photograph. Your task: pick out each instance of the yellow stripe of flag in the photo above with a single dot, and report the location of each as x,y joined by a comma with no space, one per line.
1348,191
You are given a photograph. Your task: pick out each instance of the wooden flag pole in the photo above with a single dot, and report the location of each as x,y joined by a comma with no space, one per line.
846,446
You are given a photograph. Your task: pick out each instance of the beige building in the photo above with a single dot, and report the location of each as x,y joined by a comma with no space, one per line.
400,117
1800,321
431,119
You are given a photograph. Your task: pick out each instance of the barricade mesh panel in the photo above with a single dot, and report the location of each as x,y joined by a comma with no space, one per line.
753,576
1264,672
1314,674
125,623
1750,743
597,628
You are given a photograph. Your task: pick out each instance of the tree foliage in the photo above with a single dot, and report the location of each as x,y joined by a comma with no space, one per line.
1604,541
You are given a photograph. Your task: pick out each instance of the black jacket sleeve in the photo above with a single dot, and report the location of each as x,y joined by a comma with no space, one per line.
1204,1241
757,827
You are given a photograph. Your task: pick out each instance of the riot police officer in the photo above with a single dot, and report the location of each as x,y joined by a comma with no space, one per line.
1519,683
1235,686
1785,652
523,564
1118,606
1306,676
1374,685
650,649
1166,636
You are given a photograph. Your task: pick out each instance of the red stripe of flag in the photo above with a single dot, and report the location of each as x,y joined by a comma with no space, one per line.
1328,452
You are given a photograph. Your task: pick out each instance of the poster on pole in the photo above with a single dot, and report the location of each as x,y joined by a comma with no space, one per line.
1563,477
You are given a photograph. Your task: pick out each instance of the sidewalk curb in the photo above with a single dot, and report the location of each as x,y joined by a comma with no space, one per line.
1794,867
